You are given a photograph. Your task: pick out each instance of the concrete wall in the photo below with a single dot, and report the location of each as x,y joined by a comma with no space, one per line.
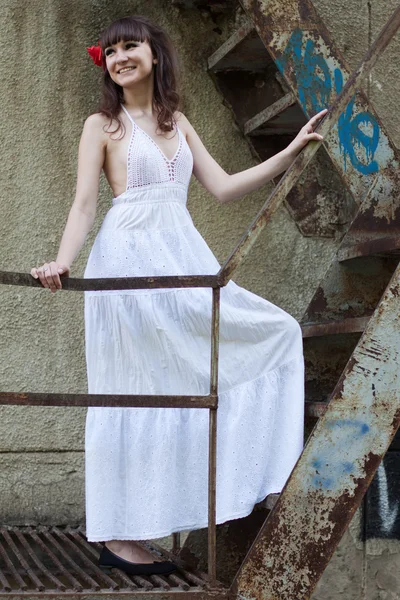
49,86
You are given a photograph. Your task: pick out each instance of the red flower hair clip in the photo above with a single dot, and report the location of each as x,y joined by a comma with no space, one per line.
96,55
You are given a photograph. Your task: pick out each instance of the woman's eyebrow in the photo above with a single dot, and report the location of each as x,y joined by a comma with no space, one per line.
124,42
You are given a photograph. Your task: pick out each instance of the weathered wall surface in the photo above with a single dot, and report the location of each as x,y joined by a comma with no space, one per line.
49,86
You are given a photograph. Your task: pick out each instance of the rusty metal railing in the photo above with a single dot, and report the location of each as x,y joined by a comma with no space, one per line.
214,281
141,401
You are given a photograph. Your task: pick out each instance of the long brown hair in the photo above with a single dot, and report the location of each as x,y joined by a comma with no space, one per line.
166,97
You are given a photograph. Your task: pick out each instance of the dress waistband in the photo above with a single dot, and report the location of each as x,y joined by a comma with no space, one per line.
170,192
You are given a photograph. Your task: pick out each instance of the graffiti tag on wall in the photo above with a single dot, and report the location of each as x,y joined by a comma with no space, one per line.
383,500
318,83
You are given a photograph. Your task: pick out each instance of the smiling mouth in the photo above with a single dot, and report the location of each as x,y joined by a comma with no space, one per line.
126,69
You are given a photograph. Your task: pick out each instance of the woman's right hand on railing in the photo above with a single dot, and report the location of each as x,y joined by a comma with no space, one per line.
49,275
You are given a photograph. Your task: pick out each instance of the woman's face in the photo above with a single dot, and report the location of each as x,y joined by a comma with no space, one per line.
129,62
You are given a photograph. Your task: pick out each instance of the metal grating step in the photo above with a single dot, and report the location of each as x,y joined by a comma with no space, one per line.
59,562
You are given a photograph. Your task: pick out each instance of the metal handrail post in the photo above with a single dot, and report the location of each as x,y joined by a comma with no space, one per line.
212,450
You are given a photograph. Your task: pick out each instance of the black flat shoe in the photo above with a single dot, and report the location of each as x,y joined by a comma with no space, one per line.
109,560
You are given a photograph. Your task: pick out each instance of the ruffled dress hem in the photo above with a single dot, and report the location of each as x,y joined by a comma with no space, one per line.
191,527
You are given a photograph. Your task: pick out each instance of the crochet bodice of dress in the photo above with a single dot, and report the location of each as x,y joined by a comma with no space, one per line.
147,165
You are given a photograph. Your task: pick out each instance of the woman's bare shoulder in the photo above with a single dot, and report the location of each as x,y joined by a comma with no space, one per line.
98,125
97,120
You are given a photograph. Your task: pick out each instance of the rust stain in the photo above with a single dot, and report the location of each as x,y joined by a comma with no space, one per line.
395,289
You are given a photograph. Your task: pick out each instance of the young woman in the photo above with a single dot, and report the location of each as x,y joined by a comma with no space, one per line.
146,469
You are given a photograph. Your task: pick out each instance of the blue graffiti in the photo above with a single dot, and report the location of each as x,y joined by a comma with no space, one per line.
360,428
316,85
330,466
351,134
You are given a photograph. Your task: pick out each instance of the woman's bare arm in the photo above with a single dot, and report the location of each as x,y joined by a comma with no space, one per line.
83,211
227,187
92,148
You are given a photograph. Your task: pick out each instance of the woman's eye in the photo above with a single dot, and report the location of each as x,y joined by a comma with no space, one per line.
128,45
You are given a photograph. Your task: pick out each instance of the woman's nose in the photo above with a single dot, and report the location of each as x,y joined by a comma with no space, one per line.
121,55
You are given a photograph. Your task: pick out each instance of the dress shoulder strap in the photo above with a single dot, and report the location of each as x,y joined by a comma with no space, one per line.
128,115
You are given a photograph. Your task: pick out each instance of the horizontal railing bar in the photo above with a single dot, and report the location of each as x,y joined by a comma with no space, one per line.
112,400
116,283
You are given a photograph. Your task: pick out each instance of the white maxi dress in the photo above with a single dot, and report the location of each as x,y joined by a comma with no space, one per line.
146,468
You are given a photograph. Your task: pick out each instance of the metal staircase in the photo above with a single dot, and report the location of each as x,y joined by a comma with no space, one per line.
360,293
285,50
